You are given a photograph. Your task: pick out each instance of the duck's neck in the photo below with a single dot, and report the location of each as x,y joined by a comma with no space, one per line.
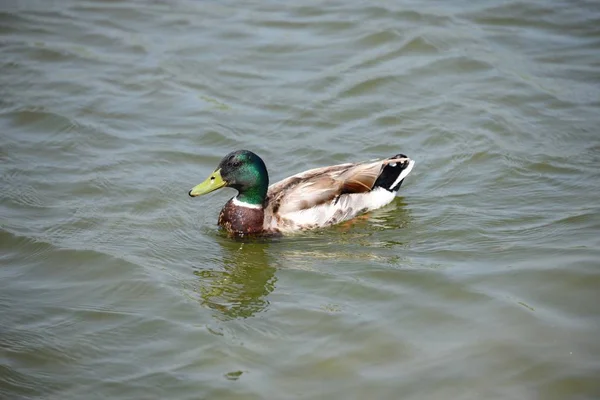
243,202
254,194
253,197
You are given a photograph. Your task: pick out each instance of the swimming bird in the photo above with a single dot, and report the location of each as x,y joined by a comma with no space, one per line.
311,199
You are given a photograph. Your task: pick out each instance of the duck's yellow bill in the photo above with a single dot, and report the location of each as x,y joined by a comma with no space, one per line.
212,183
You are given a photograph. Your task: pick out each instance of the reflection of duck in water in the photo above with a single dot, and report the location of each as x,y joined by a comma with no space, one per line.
311,199
240,288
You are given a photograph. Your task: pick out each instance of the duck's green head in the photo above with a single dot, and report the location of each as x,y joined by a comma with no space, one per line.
242,170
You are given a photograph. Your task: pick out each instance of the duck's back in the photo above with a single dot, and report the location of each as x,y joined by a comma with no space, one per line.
329,195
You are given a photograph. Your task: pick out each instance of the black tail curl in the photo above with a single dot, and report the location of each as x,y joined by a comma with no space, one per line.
391,172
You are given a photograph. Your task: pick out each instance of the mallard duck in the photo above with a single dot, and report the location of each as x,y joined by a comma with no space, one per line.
315,198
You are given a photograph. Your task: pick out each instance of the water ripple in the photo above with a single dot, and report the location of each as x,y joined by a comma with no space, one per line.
479,281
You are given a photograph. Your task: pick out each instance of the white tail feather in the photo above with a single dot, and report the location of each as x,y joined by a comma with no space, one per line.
404,173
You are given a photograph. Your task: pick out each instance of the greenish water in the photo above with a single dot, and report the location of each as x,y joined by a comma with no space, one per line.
481,281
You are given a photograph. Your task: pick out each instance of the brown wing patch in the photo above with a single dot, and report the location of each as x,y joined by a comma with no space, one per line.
321,185
309,194
361,178
357,186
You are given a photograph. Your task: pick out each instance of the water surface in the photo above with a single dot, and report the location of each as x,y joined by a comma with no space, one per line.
480,281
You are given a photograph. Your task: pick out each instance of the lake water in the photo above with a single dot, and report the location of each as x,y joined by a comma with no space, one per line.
480,281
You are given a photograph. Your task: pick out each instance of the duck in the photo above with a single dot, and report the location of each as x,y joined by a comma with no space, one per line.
315,198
